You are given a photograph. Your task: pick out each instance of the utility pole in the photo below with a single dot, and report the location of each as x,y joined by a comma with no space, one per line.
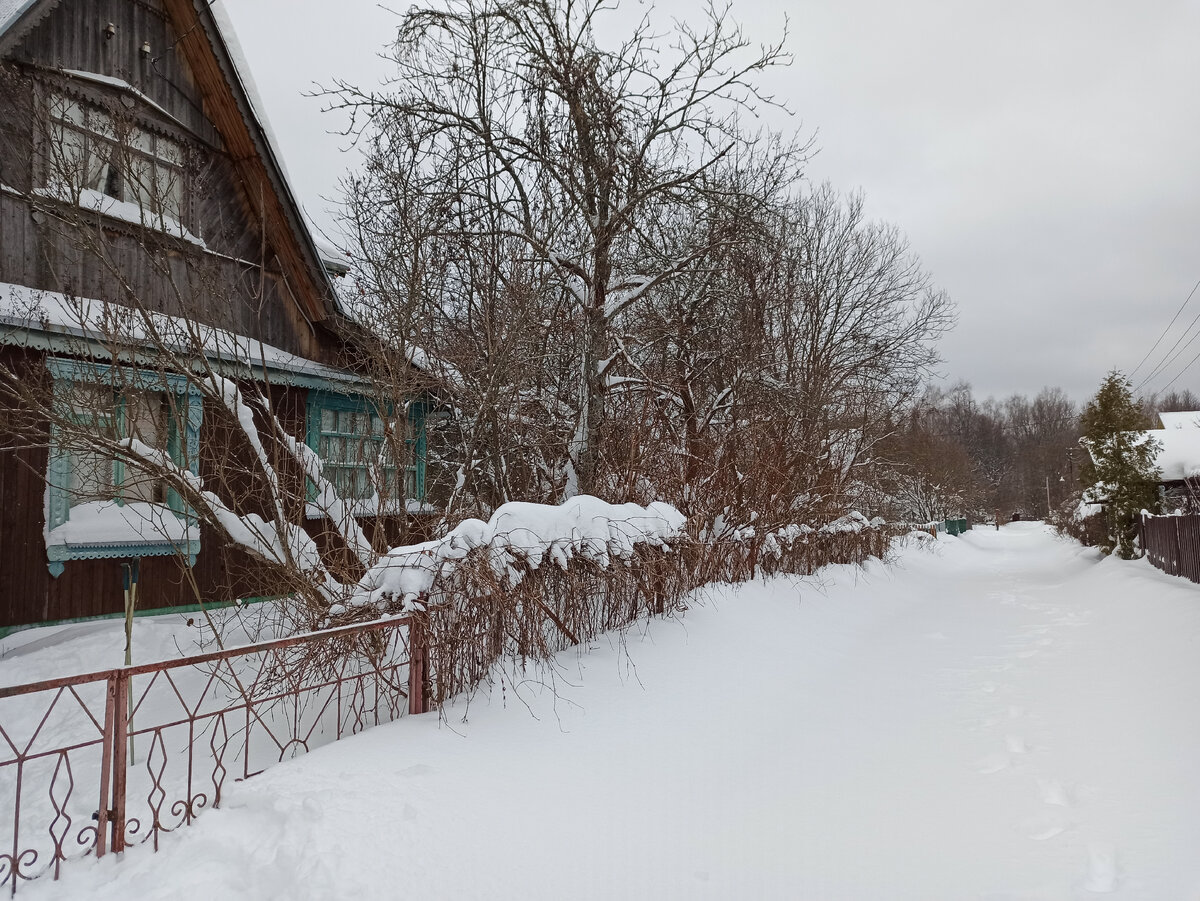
1048,508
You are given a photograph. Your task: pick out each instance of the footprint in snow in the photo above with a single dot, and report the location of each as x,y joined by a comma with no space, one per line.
1015,744
993,763
1102,869
419,769
1047,824
1054,792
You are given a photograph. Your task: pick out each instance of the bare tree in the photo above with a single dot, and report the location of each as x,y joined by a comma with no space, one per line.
522,124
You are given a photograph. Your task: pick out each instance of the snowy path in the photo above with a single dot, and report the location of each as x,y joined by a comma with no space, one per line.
1005,717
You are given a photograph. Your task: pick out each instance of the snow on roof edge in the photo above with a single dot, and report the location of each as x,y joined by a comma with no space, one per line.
241,69
11,10
1180,419
53,313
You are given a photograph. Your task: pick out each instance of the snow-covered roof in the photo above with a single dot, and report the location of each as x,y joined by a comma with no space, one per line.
11,10
27,312
1179,453
331,258
1187,419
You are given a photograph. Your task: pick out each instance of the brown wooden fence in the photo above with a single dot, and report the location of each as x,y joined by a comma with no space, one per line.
1172,543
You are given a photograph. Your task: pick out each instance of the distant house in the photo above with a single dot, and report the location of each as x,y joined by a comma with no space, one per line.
135,162
1178,457
1179,447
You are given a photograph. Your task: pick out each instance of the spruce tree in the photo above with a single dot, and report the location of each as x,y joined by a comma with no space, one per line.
1119,469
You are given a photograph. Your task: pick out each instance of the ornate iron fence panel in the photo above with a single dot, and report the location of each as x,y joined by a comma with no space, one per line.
95,762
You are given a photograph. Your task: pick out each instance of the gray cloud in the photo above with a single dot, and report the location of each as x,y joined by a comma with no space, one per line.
1043,157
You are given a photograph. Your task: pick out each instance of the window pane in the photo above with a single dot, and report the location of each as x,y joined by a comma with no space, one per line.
344,422
169,151
67,160
168,190
91,477
100,122
376,425
66,109
145,416
139,187
328,420
101,175
141,140
145,420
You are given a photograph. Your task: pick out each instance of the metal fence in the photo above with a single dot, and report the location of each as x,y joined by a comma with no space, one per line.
1172,543
96,762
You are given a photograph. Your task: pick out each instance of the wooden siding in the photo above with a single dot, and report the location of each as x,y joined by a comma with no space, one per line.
254,276
234,206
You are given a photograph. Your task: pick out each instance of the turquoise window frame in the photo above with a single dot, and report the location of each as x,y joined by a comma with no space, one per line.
182,446
320,400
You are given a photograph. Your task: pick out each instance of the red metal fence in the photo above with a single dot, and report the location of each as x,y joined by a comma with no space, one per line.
96,762
1172,543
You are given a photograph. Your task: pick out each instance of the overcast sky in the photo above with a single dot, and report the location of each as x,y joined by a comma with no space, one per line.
1043,156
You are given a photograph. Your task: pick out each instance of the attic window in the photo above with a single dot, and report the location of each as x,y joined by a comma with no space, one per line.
91,153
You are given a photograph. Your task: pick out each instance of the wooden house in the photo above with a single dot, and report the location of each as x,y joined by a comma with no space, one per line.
136,169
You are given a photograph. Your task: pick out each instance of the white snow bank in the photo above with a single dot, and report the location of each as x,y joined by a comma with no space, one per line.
948,728
107,522
584,526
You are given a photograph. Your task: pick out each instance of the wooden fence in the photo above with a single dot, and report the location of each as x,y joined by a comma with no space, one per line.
1172,543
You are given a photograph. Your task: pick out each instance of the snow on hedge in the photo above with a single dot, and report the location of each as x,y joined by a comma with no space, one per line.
530,534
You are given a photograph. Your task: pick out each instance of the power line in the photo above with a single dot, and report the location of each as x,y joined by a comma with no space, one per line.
1172,355
1164,333
1179,374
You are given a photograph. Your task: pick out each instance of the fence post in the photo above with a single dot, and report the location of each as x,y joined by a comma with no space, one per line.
418,663
120,750
104,808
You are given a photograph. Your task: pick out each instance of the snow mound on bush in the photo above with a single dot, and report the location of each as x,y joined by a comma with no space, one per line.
527,533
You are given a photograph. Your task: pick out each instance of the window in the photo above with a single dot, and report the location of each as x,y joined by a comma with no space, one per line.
90,152
358,445
97,505
114,414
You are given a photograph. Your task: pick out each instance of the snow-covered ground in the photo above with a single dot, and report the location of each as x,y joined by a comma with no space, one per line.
1004,716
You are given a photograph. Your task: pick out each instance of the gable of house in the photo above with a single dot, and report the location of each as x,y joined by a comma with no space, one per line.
157,84
173,202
